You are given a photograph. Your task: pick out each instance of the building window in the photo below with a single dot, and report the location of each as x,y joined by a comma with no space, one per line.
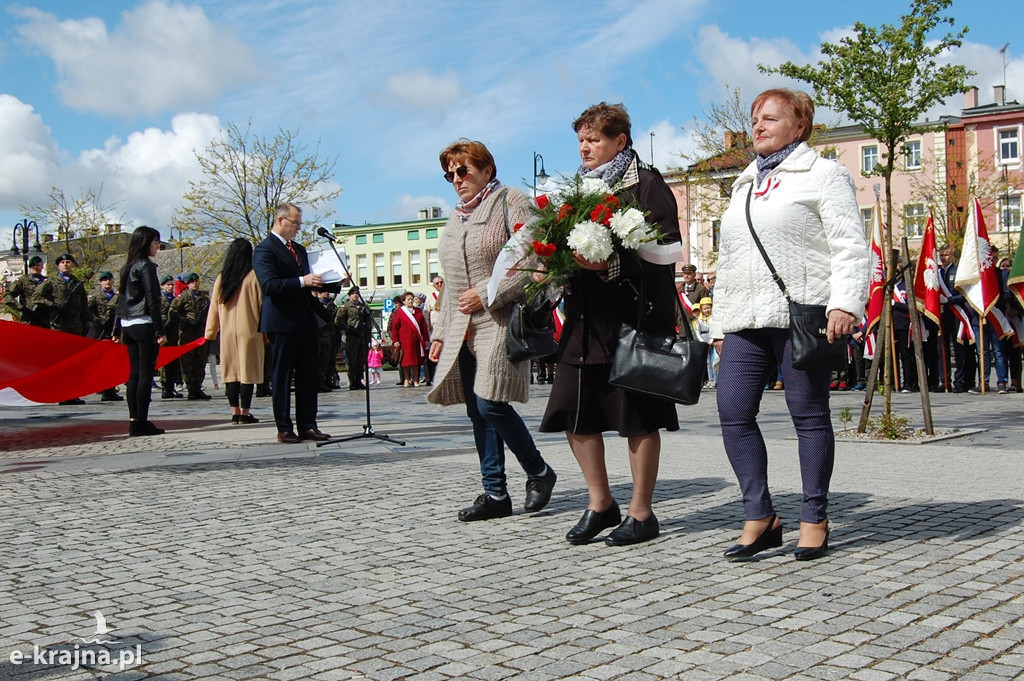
1009,145
913,219
866,215
432,233
1009,213
433,264
415,268
831,153
360,239
412,235
378,269
361,273
378,238
868,158
716,234
912,155
396,269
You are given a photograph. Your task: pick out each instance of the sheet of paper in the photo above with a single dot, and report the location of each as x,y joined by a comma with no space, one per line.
328,266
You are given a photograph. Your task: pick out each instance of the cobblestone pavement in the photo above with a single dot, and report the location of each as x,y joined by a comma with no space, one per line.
217,553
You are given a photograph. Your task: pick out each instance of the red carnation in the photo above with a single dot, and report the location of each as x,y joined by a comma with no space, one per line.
544,250
542,201
518,226
612,201
602,213
564,211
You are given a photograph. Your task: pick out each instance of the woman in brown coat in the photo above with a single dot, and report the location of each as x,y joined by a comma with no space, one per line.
469,337
235,314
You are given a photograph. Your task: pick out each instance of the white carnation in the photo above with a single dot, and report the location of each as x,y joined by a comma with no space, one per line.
593,185
591,240
630,227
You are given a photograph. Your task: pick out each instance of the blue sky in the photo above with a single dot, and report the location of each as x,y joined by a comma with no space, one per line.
120,93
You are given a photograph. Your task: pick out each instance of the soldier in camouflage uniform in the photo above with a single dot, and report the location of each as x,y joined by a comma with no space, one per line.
354,320
189,310
327,345
102,306
170,373
62,300
19,295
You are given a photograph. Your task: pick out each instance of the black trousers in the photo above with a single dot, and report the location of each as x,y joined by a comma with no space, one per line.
294,352
142,351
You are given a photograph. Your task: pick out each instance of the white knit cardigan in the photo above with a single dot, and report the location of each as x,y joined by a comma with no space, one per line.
810,225
467,253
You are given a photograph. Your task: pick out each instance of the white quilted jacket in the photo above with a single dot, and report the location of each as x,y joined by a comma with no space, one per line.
810,226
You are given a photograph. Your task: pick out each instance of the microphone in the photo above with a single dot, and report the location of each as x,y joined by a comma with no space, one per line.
326,234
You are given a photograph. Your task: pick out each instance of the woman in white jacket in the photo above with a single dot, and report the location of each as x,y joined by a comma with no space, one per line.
804,210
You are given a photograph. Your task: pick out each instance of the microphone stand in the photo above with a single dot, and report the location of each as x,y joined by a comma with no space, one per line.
368,431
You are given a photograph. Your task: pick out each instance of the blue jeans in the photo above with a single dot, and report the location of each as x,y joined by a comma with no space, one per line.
751,358
496,424
993,351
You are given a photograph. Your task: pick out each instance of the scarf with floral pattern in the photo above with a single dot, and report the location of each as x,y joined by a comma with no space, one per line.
765,164
465,208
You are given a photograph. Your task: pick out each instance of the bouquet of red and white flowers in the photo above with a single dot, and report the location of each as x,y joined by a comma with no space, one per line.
584,217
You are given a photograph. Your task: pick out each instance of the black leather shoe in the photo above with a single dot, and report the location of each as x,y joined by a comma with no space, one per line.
288,438
769,539
812,552
538,490
633,531
314,434
203,396
77,401
247,418
486,507
593,523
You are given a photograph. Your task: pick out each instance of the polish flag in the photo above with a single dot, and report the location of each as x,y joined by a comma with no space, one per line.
876,285
976,275
926,278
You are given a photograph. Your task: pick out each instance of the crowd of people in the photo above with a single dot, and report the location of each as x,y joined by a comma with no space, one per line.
792,233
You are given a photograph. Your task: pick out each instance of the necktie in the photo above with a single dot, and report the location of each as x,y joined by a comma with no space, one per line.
291,249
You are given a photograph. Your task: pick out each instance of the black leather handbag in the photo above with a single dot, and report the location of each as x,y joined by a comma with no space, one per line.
531,330
808,324
664,367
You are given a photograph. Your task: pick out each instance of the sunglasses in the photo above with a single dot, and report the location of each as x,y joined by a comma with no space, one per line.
461,171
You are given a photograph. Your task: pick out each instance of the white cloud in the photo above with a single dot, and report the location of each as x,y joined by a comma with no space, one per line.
669,143
162,56
418,89
28,155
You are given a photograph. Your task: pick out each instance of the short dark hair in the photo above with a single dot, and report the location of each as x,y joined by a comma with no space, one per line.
611,120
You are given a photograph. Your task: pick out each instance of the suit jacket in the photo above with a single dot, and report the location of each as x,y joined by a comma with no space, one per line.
288,306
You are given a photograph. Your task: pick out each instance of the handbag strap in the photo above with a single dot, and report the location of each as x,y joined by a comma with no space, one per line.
679,305
767,261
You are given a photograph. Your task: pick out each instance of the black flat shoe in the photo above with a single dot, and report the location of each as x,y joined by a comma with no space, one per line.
538,490
769,539
812,552
486,507
633,531
593,523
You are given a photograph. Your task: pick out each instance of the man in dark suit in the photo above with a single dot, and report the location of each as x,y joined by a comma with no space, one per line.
289,316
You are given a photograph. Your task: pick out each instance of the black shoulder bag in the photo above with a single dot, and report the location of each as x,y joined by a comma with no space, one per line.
808,324
663,367
531,328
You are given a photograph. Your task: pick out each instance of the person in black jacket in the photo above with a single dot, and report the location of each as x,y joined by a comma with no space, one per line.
140,326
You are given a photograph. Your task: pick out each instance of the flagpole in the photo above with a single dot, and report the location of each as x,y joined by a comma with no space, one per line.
982,374
917,324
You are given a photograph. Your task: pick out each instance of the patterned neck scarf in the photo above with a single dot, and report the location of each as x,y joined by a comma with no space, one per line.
465,208
612,171
765,164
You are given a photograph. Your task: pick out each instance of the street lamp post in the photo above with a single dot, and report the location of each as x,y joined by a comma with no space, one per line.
26,226
542,176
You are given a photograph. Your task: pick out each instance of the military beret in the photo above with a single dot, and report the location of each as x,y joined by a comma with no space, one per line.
354,289
190,277
166,279
34,260
107,274
65,256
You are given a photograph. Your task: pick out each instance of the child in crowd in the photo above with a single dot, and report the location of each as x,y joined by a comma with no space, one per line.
375,360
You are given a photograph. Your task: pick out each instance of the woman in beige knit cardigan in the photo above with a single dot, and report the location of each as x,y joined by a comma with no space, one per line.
469,338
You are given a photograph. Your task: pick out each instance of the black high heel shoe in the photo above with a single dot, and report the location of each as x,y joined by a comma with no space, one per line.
812,552
769,539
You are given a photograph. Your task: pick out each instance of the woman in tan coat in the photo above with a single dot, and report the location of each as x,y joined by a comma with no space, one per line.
468,342
235,314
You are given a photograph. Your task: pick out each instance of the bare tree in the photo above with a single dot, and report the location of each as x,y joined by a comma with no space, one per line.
246,176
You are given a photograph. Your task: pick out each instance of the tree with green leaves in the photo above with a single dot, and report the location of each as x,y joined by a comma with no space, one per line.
81,224
245,176
886,79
